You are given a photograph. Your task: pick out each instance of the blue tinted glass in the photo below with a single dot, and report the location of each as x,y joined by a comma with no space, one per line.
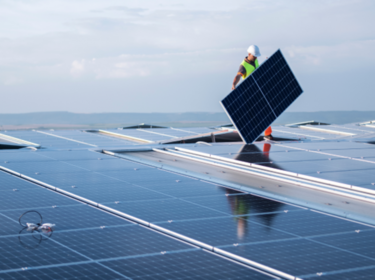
33,198
26,250
306,223
73,155
9,226
21,156
300,257
187,265
358,273
46,141
47,167
352,177
164,210
70,272
10,182
186,189
74,217
115,192
241,204
147,176
359,241
118,242
368,154
226,231
107,165
67,180
322,166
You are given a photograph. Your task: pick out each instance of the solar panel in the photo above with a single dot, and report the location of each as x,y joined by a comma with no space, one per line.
262,97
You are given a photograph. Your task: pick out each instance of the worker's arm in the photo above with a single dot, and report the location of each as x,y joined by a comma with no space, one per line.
236,80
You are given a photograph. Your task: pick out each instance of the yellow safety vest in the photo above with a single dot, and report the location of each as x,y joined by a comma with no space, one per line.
249,68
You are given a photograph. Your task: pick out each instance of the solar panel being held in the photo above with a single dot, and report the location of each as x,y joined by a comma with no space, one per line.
262,97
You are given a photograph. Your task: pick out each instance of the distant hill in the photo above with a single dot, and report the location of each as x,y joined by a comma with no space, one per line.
97,119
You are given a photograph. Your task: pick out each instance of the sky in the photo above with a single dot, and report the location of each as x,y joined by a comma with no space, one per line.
179,56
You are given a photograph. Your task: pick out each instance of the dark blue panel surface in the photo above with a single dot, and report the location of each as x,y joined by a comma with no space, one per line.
277,82
321,166
359,273
262,97
72,272
21,156
92,138
359,241
165,210
187,189
25,251
241,204
74,155
44,167
364,178
45,140
118,242
307,223
188,265
330,145
280,156
105,165
33,198
115,192
75,217
145,175
226,231
231,148
10,182
9,226
300,257
354,153
67,180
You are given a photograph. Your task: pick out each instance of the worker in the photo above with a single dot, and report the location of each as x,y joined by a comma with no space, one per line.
248,65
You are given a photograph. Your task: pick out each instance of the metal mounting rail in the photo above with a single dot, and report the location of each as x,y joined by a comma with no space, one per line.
124,136
346,187
326,130
184,238
17,140
279,177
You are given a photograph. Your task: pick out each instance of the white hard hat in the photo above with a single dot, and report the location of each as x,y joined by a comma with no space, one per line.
254,50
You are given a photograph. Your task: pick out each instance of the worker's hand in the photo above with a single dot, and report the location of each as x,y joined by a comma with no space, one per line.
233,87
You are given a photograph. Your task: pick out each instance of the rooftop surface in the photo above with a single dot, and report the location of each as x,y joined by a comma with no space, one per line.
189,203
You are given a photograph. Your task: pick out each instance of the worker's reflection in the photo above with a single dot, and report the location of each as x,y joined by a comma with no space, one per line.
244,205
252,154
266,150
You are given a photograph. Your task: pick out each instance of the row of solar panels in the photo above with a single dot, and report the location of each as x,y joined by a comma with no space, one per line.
284,237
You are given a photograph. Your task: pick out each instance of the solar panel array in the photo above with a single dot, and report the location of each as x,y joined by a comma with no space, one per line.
90,243
262,97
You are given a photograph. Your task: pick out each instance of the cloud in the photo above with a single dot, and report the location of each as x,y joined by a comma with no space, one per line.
11,80
195,52
78,67
334,58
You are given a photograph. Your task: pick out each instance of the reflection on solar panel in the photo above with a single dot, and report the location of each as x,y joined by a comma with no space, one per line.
262,97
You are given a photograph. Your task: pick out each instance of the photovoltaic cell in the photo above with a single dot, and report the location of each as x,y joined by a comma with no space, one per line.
117,242
189,265
77,272
301,257
262,97
16,253
69,217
